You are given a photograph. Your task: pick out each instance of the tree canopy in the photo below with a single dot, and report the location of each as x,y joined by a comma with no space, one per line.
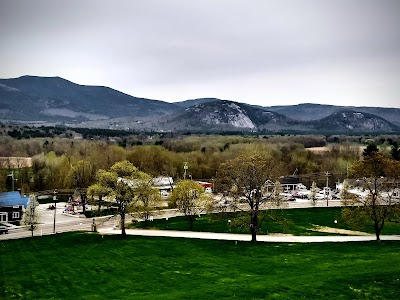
379,177
121,185
248,182
190,199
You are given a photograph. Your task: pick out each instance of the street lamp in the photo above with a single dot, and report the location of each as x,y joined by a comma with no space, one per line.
55,209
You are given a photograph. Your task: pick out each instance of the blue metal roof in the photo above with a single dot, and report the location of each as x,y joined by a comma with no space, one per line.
13,198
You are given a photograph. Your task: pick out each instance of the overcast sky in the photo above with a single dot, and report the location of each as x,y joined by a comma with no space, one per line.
341,52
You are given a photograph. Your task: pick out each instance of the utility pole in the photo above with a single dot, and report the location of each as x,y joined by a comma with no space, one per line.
327,174
55,209
12,179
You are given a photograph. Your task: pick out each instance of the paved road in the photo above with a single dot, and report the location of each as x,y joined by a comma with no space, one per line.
66,222
247,237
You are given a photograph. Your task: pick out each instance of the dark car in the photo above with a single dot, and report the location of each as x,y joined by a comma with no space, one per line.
3,229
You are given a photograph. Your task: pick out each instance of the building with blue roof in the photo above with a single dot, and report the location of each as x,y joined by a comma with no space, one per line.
12,206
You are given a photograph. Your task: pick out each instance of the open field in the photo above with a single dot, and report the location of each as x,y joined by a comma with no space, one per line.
298,221
316,150
15,162
89,266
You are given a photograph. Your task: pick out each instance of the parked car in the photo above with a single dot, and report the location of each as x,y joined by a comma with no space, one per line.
3,229
164,193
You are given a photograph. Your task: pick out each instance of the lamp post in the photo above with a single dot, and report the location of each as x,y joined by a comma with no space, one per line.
55,209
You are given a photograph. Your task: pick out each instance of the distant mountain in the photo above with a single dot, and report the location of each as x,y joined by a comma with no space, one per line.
309,111
54,98
227,115
351,121
192,102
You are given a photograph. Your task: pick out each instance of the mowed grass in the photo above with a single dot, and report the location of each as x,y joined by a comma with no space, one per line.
299,221
89,266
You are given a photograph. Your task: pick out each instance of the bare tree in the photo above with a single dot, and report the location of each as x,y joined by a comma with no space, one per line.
249,183
379,178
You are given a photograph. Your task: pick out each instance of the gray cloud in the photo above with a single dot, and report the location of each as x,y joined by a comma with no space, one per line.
274,52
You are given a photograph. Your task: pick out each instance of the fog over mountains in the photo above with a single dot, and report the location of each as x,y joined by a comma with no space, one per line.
56,100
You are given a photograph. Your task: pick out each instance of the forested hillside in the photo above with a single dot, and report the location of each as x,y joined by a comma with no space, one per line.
55,159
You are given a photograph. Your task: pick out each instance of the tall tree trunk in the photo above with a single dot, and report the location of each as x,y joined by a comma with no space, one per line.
191,220
377,231
123,232
254,226
253,234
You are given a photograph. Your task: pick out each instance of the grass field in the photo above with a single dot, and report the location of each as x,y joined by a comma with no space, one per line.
89,266
298,221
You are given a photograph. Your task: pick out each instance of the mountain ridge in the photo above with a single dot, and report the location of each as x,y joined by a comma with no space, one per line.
58,100
228,115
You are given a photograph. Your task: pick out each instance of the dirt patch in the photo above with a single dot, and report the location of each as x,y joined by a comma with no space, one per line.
357,148
337,230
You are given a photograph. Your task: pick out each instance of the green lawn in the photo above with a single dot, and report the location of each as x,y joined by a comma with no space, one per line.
89,266
298,221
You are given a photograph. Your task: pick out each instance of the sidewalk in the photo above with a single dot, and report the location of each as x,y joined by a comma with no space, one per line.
247,237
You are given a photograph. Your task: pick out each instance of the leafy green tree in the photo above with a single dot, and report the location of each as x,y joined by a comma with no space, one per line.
379,177
190,199
80,176
248,182
97,192
147,199
121,184
31,217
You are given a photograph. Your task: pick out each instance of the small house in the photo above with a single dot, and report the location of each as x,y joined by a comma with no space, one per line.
291,183
12,206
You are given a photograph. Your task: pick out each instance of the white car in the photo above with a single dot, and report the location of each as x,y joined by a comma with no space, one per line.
164,193
3,229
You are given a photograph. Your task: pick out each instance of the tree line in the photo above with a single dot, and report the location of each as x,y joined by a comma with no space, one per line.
228,160
56,160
